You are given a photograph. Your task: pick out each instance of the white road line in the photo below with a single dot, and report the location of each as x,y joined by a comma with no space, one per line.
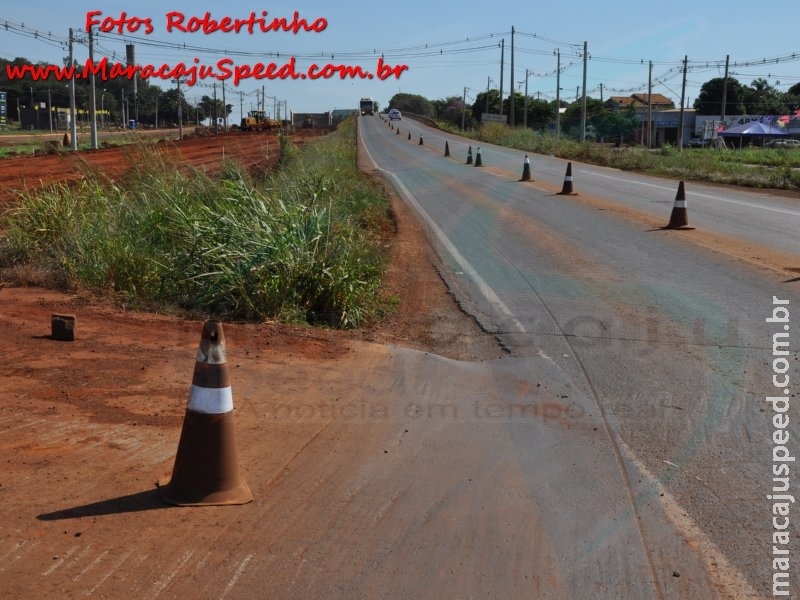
162,585
113,570
237,575
716,564
56,564
91,565
487,292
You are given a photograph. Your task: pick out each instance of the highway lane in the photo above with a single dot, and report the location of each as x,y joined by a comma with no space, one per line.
663,341
759,217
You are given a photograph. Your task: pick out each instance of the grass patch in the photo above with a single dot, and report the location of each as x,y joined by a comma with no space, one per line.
302,245
777,168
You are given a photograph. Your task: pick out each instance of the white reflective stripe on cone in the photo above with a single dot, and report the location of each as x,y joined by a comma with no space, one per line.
210,401
680,204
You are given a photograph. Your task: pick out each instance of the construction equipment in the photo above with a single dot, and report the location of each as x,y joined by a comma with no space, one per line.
257,120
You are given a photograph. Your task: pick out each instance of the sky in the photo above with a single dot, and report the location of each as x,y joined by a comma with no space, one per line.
449,49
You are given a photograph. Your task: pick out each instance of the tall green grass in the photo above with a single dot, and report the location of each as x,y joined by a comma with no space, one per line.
758,167
303,244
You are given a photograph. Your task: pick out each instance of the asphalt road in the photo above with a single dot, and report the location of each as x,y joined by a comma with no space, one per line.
621,448
654,352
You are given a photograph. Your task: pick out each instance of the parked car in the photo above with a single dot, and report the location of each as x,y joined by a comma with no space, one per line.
783,143
697,142
395,114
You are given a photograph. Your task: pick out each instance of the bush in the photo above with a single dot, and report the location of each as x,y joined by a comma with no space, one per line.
303,245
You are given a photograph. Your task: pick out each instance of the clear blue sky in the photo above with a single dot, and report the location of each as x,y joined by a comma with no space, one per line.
622,38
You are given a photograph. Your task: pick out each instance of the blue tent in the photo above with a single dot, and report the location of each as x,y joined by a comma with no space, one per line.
754,128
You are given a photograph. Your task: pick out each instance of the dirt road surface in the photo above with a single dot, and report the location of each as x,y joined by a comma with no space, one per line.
88,427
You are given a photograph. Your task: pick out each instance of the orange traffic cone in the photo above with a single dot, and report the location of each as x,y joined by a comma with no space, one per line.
206,471
446,149
398,131
526,170
679,219
420,139
469,155
567,188
478,161
409,134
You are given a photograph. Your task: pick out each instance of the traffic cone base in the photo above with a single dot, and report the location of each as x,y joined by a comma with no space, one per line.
203,475
679,218
206,470
566,189
526,170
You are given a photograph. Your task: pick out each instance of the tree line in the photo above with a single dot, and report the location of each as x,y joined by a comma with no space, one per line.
114,99
758,98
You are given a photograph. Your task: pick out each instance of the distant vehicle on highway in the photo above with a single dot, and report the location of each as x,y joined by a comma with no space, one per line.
367,106
395,114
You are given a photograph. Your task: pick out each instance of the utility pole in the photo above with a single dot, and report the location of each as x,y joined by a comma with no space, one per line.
488,82
683,96
583,109
650,106
511,99
502,57
558,94
216,120
525,119
224,108
73,126
725,89
463,109
92,110
178,82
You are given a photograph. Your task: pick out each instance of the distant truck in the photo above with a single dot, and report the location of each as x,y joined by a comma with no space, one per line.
367,106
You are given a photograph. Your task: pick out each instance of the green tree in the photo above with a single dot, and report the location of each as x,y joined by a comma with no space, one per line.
412,103
480,104
571,119
792,98
451,110
709,100
763,99
541,113
616,123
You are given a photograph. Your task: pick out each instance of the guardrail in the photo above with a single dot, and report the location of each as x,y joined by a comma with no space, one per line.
426,120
